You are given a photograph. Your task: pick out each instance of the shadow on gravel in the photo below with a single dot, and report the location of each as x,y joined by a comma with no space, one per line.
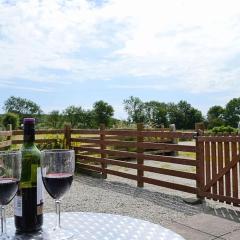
165,200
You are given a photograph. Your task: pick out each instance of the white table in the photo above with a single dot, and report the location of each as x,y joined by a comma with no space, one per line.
100,226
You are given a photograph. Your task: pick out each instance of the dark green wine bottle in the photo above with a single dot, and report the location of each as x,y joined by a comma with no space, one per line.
28,203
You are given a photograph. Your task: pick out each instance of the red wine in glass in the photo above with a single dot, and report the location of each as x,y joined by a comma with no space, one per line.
8,189
10,174
57,184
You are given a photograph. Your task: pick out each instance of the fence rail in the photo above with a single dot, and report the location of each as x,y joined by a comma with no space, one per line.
212,171
5,139
141,146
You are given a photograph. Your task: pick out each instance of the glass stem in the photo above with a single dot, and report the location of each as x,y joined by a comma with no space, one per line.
58,211
3,221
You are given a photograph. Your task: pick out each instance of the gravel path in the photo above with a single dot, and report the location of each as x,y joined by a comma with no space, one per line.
109,196
121,196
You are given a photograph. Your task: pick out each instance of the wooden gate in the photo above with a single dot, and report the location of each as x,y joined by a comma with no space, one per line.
218,158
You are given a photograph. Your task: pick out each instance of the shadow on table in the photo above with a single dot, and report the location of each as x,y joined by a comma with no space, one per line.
166,200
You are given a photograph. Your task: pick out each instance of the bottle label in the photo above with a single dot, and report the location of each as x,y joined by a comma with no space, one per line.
18,206
40,193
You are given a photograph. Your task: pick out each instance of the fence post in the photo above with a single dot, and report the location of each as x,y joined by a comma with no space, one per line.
140,160
199,127
9,138
103,147
67,136
172,128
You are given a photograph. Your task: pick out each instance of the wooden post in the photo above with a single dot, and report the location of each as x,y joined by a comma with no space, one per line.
199,165
67,136
103,147
172,128
9,138
199,127
140,160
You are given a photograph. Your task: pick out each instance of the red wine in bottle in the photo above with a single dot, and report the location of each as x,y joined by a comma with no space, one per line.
28,202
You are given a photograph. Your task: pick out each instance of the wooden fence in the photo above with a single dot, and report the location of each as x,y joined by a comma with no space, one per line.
219,167
96,150
5,137
211,170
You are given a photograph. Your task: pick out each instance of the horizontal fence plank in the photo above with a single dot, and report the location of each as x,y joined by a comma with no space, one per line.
88,167
110,152
169,134
230,138
146,145
121,174
36,141
163,171
51,131
170,172
167,146
220,197
86,157
109,161
175,186
147,133
85,131
17,132
160,158
157,129
86,140
170,159
128,133
4,144
17,141
5,133
40,132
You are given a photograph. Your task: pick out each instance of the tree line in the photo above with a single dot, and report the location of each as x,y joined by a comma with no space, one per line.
152,113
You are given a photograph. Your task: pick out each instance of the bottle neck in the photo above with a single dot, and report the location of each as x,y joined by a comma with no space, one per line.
29,134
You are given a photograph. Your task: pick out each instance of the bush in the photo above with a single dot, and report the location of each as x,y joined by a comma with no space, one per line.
10,118
57,143
224,129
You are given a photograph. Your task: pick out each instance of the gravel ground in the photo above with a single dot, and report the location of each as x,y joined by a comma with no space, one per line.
121,196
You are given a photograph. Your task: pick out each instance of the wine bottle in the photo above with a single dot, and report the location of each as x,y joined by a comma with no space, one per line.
28,202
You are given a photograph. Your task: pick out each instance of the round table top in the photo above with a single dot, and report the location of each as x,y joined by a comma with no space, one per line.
100,226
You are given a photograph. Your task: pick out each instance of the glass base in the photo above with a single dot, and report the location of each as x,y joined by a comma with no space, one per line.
57,234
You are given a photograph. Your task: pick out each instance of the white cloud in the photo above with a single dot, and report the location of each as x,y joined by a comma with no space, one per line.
141,86
189,42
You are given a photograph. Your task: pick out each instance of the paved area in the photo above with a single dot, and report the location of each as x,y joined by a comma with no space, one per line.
205,227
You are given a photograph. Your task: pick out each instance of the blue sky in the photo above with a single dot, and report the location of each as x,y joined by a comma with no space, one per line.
75,52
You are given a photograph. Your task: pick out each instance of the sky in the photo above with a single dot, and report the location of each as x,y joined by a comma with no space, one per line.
59,53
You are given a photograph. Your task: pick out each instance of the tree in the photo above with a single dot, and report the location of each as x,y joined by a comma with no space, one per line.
156,113
10,118
74,115
135,109
184,115
215,116
54,119
22,106
232,112
102,112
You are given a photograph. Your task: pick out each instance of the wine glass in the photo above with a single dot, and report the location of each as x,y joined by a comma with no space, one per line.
10,174
57,173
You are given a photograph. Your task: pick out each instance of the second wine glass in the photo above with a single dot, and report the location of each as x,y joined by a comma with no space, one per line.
10,174
57,174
